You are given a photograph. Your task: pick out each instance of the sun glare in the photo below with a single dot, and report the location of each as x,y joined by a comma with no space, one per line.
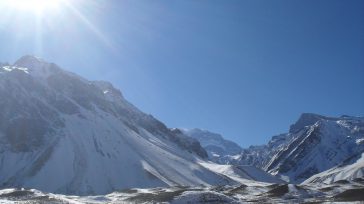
46,17
33,5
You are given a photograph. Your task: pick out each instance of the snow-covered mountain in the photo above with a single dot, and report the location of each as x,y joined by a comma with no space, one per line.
314,144
65,134
260,155
62,133
223,152
351,169
219,150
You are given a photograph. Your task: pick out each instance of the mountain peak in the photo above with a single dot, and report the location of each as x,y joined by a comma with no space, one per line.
203,133
218,148
27,60
36,66
306,119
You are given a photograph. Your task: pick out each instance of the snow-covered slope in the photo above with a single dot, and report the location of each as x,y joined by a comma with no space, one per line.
260,155
344,171
62,133
247,175
219,149
314,144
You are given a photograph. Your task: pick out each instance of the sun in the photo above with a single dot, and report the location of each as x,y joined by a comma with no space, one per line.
33,5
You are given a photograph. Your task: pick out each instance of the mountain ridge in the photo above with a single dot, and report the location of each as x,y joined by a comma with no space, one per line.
332,139
62,133
313,144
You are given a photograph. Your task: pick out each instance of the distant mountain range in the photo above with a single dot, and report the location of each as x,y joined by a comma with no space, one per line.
314,144
218,149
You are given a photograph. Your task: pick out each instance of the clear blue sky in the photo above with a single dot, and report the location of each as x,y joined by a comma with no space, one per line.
245,69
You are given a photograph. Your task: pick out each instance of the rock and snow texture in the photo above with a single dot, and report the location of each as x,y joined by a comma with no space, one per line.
247,175
351,171
219,149
277,193
222,152
314,144
62,133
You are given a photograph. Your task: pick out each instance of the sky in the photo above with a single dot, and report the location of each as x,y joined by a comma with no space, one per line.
244,69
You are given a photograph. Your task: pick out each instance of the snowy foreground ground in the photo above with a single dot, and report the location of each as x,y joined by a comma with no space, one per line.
341,191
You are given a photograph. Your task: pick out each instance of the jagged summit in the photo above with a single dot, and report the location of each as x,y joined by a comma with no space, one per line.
314,144
306,119
34,66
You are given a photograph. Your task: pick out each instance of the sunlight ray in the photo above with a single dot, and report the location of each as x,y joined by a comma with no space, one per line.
39,34
91,26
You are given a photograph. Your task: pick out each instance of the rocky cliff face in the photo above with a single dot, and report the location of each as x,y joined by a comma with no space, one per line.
314,144
351,169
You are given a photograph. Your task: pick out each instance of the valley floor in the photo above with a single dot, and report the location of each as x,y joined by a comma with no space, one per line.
341,191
